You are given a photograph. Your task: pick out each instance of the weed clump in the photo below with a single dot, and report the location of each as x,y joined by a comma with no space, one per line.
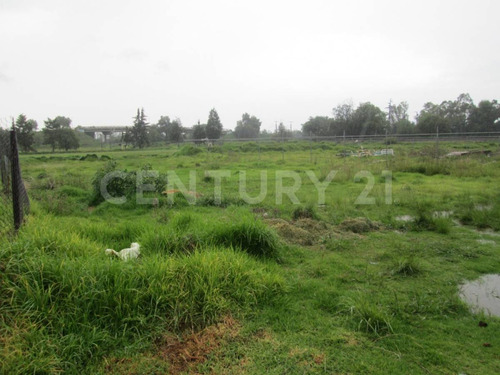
480,215
425,220
308,212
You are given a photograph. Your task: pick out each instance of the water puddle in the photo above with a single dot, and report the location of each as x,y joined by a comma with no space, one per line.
483,207
405,218
442,214
483,294
483,232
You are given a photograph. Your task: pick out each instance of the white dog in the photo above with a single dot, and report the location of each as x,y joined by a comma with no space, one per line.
126,254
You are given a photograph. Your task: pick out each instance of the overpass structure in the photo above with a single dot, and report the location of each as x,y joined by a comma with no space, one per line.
106,131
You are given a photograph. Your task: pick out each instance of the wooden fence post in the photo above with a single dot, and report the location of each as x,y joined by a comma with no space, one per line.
15,178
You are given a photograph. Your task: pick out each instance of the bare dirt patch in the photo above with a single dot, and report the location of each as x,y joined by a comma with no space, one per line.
177,354
186,352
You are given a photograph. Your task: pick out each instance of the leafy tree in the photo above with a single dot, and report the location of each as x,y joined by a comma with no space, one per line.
458,112
170,130
455,113
56,133
429,123
318,126
485,117
155,134
139,132
403,126
68,139
343,116
127,137
214,126
282,132
164,124
175,132
247,127
199,131
367,119
25,131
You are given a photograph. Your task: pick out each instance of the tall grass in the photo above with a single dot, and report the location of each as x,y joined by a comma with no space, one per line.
367,315
247,234
88,305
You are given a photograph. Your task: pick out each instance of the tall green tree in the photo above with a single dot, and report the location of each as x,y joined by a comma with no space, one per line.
175,132
368,119
343,116
282,132
214,126
485,117
430,123
451,115
58,133
247,127
164,125
139,132
25,131
318,126
68,139
199,132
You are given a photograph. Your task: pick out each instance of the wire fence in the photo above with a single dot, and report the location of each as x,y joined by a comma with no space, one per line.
14,201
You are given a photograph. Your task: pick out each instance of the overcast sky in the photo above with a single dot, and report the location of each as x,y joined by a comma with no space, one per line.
98,61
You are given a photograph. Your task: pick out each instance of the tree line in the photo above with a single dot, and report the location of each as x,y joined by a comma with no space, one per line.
451,116
57,133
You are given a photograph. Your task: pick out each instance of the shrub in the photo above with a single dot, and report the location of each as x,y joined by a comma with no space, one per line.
125,185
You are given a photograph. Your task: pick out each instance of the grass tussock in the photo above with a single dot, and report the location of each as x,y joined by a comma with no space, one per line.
482,214
307,212
254,237
184,235
368,316
406,266
426,220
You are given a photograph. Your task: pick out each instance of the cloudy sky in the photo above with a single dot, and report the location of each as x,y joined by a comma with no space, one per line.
98,61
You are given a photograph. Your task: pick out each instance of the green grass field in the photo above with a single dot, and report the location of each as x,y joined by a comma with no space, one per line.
224,286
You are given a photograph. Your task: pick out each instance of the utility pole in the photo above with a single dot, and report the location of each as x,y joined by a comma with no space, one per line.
389,114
